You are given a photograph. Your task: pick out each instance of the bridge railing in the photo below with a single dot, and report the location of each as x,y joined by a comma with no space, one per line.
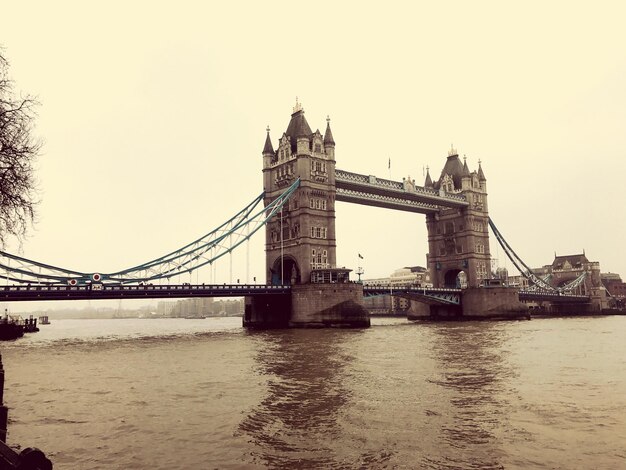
397,201
370,180
100,291
552,295
138,287
416,289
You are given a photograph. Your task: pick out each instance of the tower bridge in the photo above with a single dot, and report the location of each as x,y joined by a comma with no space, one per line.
304,287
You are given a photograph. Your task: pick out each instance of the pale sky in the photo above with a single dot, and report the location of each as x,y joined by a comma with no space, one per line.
153,119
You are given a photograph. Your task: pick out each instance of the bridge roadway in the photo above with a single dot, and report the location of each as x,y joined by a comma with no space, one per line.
147,291
429,295
539,296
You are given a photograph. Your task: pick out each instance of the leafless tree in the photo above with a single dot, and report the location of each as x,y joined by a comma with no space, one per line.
18,151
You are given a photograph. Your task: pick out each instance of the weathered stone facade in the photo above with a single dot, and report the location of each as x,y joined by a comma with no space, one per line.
566,269
616,289
458,239
302,237
300,242
328,305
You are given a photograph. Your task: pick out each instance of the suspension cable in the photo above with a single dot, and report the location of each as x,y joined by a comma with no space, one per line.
518,262
205,250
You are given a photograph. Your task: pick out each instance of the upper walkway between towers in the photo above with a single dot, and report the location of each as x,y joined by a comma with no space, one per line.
400,195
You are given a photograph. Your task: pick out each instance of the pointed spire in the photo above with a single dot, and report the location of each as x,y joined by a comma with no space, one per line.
298,125
466,171
268,149
429,181
452,168
328,135
452,152
481,175
298,106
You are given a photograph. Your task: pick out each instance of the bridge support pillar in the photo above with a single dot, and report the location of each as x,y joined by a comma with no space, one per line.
328,305
496,303
422,311
309,306
573,309
599,299
479,303
267,311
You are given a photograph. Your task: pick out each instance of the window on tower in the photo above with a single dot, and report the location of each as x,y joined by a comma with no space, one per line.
319,232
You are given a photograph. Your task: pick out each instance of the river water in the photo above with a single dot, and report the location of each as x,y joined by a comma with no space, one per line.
203,394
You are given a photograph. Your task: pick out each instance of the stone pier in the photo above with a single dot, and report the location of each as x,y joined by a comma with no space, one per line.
493,303
267,311
309,306
478,303
422,311
328,305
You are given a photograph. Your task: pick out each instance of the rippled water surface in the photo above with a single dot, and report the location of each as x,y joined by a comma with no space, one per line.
168,394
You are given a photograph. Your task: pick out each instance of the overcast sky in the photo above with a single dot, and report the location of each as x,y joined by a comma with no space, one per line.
153,118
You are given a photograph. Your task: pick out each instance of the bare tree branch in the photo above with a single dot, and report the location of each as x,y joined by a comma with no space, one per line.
18,152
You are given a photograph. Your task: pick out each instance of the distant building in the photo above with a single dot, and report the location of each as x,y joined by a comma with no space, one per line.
502,273
417,276
574,272
615,286
567,268
407,276
563,271
200,307
519,282
381,281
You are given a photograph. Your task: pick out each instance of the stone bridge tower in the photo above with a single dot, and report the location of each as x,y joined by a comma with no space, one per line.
458,239
300,244
302,237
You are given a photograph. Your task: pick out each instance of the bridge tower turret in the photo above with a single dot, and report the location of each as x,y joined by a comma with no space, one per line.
302,237
458,239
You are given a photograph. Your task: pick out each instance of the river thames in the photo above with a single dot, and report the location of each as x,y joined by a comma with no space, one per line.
186,394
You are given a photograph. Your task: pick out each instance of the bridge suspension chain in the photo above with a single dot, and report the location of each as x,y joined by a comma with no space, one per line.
201,252
518,262
574,284
541,284
535,287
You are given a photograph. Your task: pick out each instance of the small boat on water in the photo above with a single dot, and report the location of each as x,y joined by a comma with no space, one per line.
43,320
